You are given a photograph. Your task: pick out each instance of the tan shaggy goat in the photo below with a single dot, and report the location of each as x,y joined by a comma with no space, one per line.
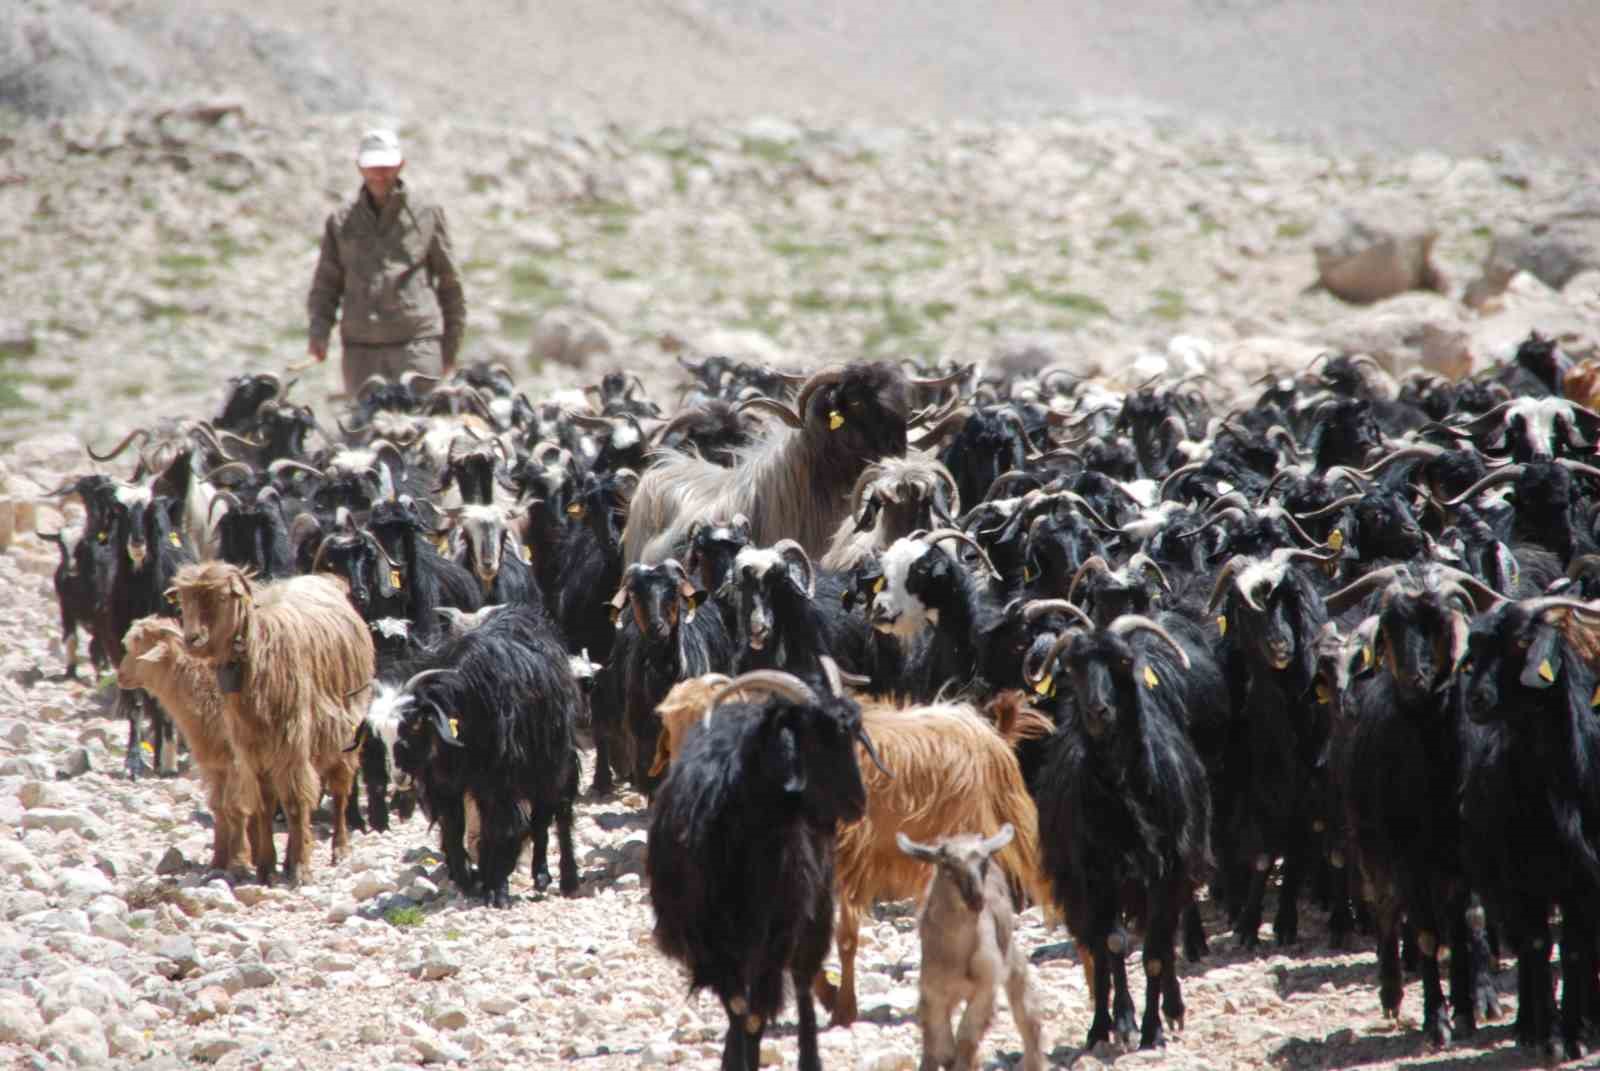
155,659
293,659
953,772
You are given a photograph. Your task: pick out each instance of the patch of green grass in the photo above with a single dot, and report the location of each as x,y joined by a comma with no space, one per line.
59,381
1064,248
404,917
10,396
613,228
619,274
789,247
1130,222
937,310
453,935
1483,232
227,247
1169,305
897,323
773,152
813,301
1143,253
759,316
182,262
517,324
163,310
1291,229
1069,300
531,285
134,389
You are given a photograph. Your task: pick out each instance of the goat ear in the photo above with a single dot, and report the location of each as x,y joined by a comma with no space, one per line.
446,728
999,840
239,585
154,654
915,850
790,765
361,737
1542,664
869,516
1460,628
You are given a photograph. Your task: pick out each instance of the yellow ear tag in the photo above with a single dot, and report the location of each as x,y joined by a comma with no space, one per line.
1047,682
877,585
1323,695
454,727
1222,624
1150,678
1594,700
441,543
103,536
1546,672
1336,540
575,510
527,554
1027,573
148,747
172,537
835,420
394,578
1366,657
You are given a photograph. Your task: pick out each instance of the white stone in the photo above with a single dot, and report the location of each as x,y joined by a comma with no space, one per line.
20,1021
79,885
78,1030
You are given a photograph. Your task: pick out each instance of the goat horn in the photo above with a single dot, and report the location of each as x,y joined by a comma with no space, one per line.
1499,476
1061,643
1034,609
227,499
783,548
830,670
933,413
285,463
947,423
1278,433
408,378
949,482
1225,577
1340,472
1578,467
961,372
1416,450
1005,479
1546,603
1485,421
825,378
684,418
1139,623
137,433
785,685
1482,596
940,534
228,468
1178,473
1096,565
1351,593
775,408
1141,560
1335,505
206,432
418,678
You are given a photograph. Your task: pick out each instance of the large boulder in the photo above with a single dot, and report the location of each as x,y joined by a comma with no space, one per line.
1554,247
1362,261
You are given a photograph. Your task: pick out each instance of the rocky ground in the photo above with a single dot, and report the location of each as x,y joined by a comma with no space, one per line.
152,251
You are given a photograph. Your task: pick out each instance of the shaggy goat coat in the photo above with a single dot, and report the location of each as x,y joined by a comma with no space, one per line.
304,658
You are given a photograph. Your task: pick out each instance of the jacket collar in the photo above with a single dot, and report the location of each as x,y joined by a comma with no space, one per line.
391,207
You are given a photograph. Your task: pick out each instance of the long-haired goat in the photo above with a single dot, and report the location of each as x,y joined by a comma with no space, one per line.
792,484
290,658
740,853
155,659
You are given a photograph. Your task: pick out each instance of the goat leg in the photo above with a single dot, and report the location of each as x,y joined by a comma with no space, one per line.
1160,930
569,857
1248,924
166,737
1100,1025
452,836
1286,923
541,848
1024,1009
133,761
603,784
341,786
1195,945
1122,1011
264,849
1391,984
1435,1024
975,1020
806,1012
846,939
1577,965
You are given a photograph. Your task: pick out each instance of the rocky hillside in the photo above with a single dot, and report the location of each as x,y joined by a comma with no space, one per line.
163,243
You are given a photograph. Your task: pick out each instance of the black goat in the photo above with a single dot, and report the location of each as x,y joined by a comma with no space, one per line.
661,641
427,580
1531,802
491,714
1398,762
1272,617
789,617
740,857
1125,817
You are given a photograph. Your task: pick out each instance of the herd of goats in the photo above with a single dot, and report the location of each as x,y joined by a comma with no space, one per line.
862,635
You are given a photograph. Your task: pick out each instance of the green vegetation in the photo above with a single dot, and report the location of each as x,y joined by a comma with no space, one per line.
404,917
1130,222
1069,300
937,310
182,262
1169,305
531,285
1291,229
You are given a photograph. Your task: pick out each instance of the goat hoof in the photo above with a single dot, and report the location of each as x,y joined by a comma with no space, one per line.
1487,1006
1437,1034
570,885
1153,1040
541,880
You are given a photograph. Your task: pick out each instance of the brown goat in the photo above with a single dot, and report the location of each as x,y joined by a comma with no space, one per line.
954,772
154,658
293,660
893,498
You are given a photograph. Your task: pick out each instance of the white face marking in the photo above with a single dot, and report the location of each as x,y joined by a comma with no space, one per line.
392,627
758,559
132,496
624,437
894,609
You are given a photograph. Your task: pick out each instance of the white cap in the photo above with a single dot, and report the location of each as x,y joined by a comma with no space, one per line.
379,148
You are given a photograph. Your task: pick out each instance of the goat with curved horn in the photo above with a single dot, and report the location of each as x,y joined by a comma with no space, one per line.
142,434
775,408
941,534
1129,623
